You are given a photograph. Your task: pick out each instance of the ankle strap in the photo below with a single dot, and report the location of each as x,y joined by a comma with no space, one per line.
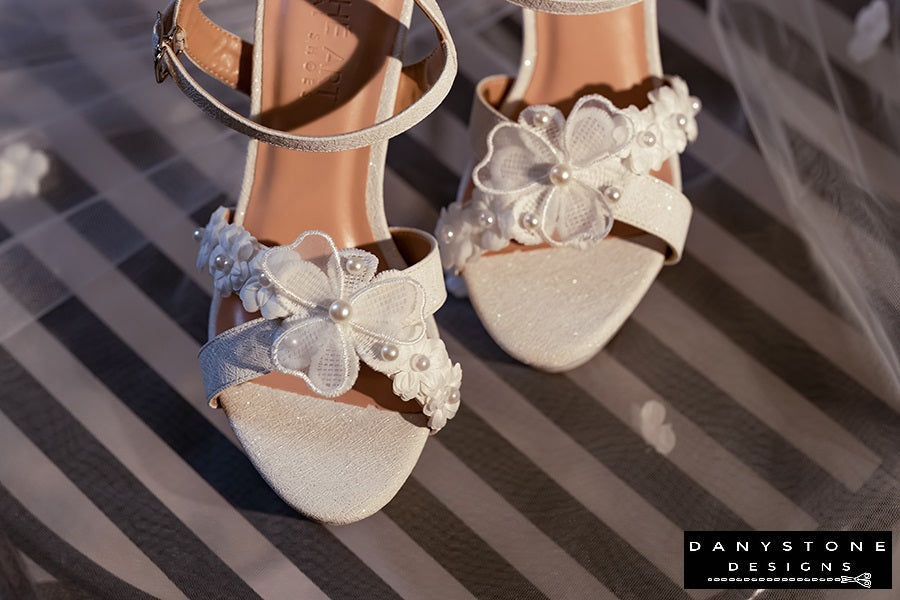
573,7
183,28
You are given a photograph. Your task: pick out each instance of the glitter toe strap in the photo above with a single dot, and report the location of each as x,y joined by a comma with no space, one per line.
563,181
323,311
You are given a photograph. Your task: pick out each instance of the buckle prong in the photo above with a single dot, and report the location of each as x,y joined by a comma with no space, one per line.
173,39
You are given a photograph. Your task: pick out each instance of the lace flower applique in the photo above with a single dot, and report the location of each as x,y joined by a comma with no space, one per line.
556,180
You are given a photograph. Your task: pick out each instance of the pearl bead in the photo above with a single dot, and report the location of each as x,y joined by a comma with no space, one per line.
696,105
486,218
339,310
541,119
613,193
681,120
198,234
648,139
421,362
353,266
560,174
292,342
264,280
223,263
530,221
453,398
389,352
447,234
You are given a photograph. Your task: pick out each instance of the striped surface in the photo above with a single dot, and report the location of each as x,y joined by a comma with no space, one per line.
116,481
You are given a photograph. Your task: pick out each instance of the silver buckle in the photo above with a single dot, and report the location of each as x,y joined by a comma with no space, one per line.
174,39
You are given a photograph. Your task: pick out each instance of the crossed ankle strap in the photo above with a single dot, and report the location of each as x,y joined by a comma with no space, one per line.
573,7
183,28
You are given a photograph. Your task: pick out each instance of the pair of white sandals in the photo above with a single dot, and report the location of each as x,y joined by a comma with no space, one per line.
323,351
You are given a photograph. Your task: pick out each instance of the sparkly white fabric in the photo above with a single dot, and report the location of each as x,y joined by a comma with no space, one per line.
548,179
323,310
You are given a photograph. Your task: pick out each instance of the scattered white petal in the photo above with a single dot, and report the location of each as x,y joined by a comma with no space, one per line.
653,428
871,27
21,170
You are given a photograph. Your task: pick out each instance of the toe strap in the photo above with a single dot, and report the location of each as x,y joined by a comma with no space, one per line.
324,310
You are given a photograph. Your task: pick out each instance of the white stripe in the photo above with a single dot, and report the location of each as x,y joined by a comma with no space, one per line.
755,388
203,510
192,500
39,485
115,179
386,549
587,480
505,529
833,30
700,457
789,304
794,103
169,351
154,337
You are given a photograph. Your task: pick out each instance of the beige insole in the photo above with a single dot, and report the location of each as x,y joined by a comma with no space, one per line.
324,68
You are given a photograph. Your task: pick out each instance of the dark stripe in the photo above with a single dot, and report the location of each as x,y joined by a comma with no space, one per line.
822,174
184,558
148,268
14,581
538,497
505,37
599,431
62,188
817,379
789,51
170,289
455,546
834,186
732,426
459,101
780,246
552,510
28,285
311,547
848,7
422,170
719,96
5,233
57,557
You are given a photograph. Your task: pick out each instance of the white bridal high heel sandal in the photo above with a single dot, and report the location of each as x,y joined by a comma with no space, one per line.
323,352
574,202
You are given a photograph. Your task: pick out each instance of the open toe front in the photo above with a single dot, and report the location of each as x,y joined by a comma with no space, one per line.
331,461
555,308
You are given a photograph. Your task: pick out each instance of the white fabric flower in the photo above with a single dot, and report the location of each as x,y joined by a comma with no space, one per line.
229,260
559,167
647,152
455,233
412,381
21,170
338,317
443,404
259,295
209,236
670,104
